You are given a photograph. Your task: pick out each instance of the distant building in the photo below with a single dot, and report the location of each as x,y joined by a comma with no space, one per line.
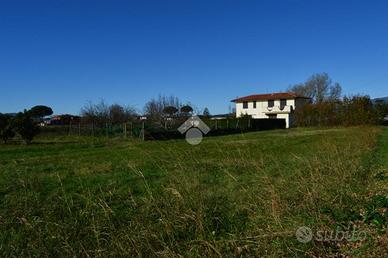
11,114
273,105
142,118
65,119
380,100
219,117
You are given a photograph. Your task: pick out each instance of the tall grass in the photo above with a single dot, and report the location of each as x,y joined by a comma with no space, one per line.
241,195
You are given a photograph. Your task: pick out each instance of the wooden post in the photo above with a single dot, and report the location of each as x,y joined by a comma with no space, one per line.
70,127
216,125
131,129
125,130
142,130
79,129
106,129
93,128
227,123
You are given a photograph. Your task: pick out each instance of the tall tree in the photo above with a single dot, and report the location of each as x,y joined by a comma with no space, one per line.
98,114
154,108
206,112
40,111
116,114
319,88
102,113
335,92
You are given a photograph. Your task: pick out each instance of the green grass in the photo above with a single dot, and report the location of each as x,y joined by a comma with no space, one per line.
239,195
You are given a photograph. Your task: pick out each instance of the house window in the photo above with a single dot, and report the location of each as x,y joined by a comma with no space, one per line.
271,103
283,103
254,104
272,116
245,104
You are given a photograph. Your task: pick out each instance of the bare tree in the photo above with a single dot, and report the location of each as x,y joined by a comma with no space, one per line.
319,88
335,92
130,113
116,114
303,89
101,114
119,114
155,107
88,113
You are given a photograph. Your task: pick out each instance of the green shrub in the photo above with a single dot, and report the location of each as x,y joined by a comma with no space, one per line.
356,110
25,126
6,130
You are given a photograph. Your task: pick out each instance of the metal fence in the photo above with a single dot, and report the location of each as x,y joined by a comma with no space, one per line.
140,129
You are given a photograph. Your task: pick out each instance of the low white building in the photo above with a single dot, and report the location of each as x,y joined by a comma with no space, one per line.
273,105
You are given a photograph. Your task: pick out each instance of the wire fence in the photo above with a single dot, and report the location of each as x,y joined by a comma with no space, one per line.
149,129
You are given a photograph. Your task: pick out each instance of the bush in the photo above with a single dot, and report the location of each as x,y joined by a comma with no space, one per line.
244,124
356,110
267,124
6,130
25,126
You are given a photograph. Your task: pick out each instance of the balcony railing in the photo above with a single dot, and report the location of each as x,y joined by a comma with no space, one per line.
278,109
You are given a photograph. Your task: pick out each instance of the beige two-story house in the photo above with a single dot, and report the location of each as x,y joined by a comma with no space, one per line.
279,105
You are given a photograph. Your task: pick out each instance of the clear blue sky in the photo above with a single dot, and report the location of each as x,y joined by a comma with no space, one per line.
63,53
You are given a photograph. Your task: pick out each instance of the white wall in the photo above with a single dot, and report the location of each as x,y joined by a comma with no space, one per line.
262,108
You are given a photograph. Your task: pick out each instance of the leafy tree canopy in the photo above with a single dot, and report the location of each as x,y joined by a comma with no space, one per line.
170,110
186,109
25,126
40,111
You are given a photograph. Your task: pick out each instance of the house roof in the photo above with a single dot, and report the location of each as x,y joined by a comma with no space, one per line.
277,95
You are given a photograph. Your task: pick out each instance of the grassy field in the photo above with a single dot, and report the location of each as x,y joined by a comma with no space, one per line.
241,195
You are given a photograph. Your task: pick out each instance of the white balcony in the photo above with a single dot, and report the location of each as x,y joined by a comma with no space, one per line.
278,109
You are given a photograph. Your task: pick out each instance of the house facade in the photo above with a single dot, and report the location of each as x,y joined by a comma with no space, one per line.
272,106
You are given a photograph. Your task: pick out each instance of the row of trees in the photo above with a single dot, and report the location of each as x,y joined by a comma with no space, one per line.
101,113
156,110
159,108
328,108
26,123
23,124
355,110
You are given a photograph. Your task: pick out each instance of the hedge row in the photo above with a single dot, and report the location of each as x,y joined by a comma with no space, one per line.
253,125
